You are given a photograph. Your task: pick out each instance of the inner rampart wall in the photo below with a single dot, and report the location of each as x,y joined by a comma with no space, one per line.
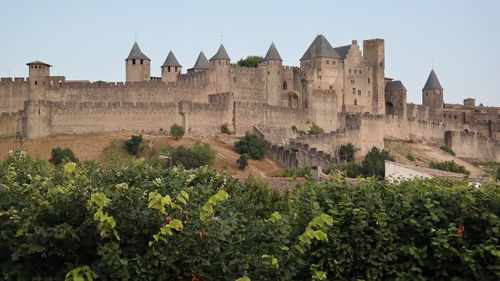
473,146
10,123
13,93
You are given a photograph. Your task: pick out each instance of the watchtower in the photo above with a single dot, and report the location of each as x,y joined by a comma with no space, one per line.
137,65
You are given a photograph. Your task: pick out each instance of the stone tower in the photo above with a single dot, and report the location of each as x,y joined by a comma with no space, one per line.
395,99
220,63
374,53
137,65
170,69
432,97
201,64
274,86
320,62
39,72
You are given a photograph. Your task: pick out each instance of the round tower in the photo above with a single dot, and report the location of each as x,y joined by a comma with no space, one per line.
432,98
220,63
39,73
137,65
274,84
170,69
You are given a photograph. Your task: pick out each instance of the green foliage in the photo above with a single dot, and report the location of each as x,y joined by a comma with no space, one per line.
61,156
449,166
177,131
175,224
225,129
447,150
347,152
252,145
196,156
133,145
372,166
497,174
243,161
410,157
304,172
250,61
315,129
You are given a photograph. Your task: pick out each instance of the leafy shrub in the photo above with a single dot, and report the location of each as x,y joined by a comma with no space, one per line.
196,156
315,129
447,149
410,157
177,131
243,161
304,172
372,166
449,166
497,174
225,129
133,145
347,152
250,61
252,145
144,222
60,156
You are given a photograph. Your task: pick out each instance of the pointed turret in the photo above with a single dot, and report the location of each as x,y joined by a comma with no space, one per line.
201,63
432,82
137,65
432,97
320,48
272,54
170,69
221,54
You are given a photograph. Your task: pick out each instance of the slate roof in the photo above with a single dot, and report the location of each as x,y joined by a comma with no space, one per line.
37,62
171,60
136,53
320,48
221,54
394,85
201,61
342,51
432,82
272,53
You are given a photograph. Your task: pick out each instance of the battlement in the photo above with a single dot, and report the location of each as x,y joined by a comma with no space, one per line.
246,70
323,91
14,80
193,79
373,42
274,108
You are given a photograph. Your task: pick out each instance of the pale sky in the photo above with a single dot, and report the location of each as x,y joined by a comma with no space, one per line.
89,40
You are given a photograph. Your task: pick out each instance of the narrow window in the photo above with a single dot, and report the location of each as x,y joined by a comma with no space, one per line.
133,61
142,61
359,92
327,62
36,82
349,71
353,91
369,81
168,68
285,86
355,102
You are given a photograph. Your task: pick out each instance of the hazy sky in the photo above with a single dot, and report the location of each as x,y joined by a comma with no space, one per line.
90,39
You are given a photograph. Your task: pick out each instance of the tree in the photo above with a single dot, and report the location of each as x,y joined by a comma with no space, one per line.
177,131
252,145
133,145
250,61
194,157
347,152
243,161
373,165
59,156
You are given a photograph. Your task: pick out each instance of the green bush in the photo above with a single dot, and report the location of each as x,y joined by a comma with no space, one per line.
372,166
449,166
60,156
225,129
243,161
133,145
250,61
177,131
347,152
252,145
304,172
144,222
196,156
447,150
315,129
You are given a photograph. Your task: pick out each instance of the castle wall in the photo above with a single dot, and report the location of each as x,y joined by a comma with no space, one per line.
473,146
396,127
248,84
13,93
10,123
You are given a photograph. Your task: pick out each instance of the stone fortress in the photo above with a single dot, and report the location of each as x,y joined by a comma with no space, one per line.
341,89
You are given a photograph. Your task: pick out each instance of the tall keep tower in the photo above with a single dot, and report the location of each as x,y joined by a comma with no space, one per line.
432,97
137,65
273,63
39,72
374,53
170,69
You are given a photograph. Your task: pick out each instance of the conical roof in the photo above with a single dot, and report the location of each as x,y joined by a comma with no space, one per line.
136,53
320,48
201,61
221,54
171,60
432,82
394,85
272,53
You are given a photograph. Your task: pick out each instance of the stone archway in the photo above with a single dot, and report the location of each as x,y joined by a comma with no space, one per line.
292,100
389,108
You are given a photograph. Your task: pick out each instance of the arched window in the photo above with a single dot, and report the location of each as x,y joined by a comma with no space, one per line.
355,102
285,86
389,108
